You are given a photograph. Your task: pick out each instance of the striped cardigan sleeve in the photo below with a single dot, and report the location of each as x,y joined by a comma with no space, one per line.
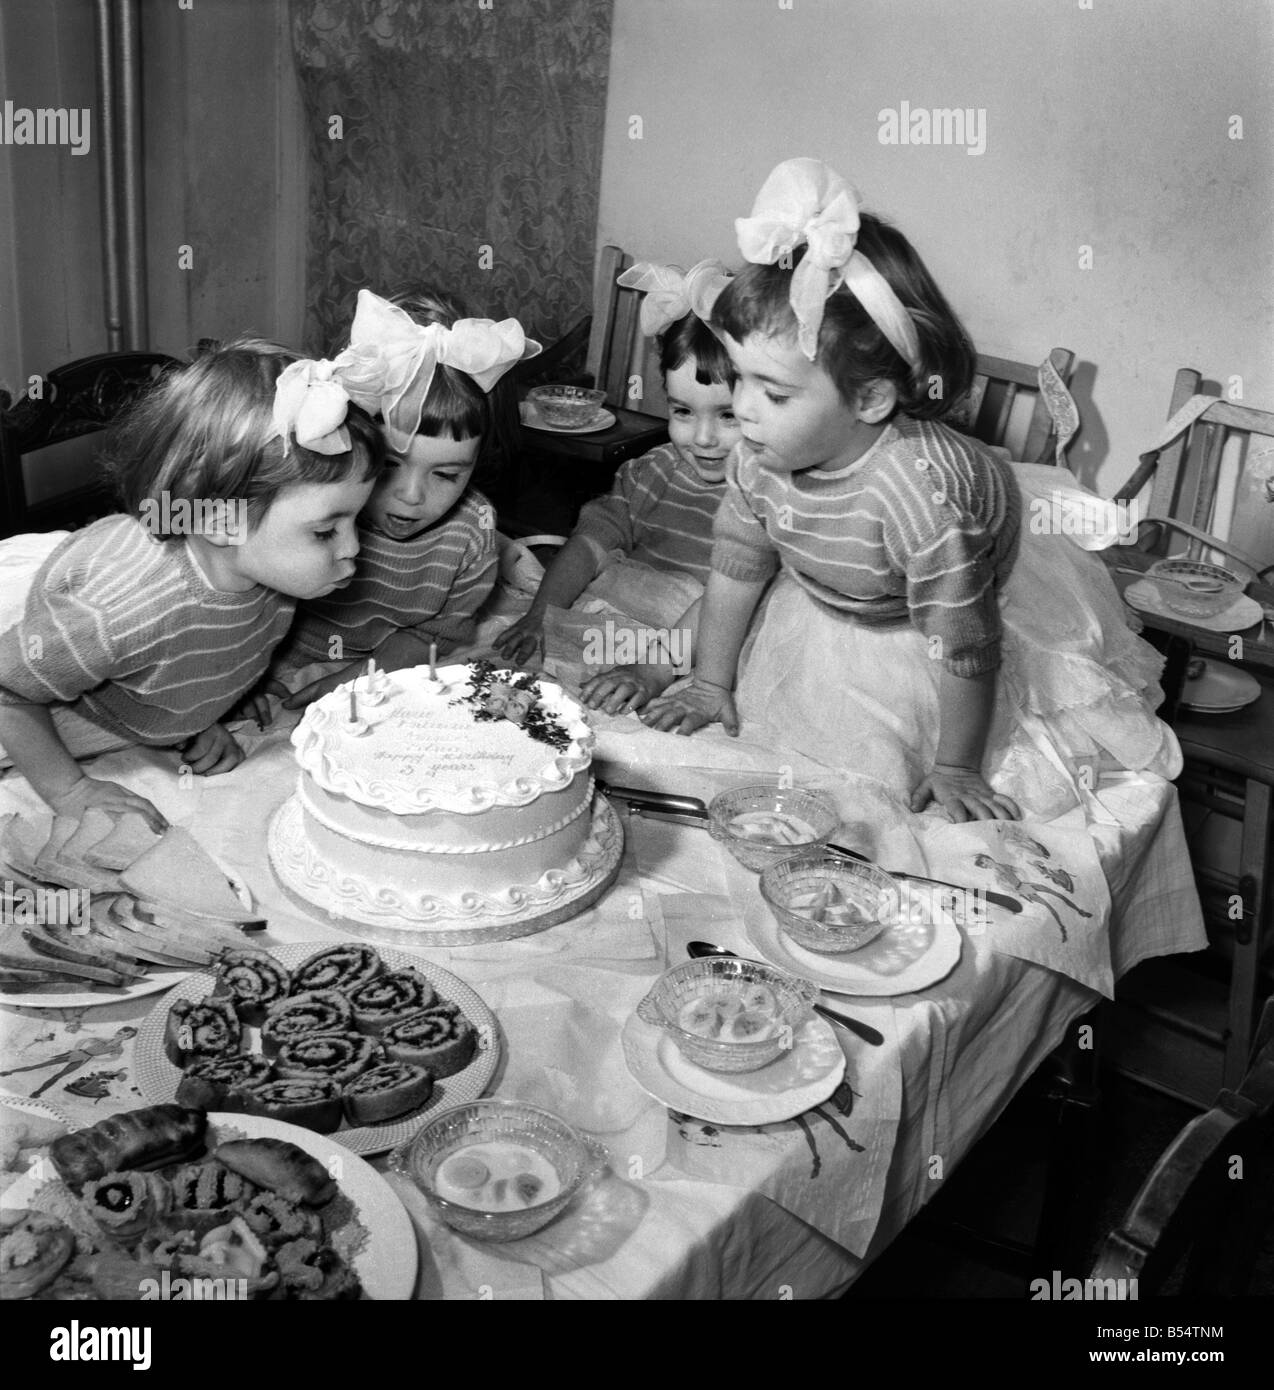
741,549
63,646
946,559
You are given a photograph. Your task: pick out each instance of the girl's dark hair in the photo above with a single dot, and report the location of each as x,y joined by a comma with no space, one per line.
206,434
456,405
851,349
691,340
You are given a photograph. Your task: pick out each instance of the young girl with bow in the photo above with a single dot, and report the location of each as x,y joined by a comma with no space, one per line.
919,629
644,549
240,477
428,557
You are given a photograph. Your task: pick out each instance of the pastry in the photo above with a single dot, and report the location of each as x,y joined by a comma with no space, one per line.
207,1028
338,1057
125,1204
206,1195
253,980
34,1248
314,1011
147,1138
314,1272
276,1220
338,967
313,1102
209,1083
441,1039
280,1166
388,998
387,1091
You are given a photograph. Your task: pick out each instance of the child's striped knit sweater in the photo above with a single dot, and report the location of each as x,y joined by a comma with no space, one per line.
121,631
924,526
432,584
658,511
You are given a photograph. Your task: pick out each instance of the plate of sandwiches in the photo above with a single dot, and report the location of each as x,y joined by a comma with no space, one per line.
104,908
351,1040
175,1204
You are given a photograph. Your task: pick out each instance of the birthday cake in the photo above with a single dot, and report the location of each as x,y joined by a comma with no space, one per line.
460,804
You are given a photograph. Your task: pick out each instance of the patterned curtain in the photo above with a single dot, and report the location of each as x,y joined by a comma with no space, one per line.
469,153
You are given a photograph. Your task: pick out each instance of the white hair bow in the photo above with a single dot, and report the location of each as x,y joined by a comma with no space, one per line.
409,353
312,399
803,202
672,293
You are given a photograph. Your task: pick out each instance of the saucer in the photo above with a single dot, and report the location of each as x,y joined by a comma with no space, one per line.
603,420
794,1083
1145,596
916,951
1221,689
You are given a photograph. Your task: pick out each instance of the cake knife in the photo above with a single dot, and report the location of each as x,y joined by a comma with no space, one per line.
689,810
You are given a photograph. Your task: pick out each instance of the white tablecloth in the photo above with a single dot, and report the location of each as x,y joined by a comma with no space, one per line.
687,1210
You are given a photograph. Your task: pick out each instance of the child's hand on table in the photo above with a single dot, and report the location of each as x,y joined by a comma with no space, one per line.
964,794
692,707
109,797
215,750
255,705
622,689
521,641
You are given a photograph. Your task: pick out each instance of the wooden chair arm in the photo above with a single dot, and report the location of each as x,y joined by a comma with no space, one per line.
1212,542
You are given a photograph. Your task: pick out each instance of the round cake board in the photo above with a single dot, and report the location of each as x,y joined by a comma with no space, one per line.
412,936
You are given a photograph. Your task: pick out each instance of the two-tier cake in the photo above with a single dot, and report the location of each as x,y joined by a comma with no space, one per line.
458,807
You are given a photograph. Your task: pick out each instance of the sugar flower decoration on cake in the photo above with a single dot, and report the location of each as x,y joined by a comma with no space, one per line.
513,695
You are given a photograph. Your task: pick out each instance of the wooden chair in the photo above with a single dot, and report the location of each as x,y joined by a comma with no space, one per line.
1212,493
78,399
999,390
1209,1199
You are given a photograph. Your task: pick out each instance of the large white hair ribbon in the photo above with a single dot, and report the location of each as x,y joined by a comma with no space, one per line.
312,398
803,202
672,293
409,353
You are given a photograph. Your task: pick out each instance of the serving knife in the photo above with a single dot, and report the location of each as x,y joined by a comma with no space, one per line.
690,810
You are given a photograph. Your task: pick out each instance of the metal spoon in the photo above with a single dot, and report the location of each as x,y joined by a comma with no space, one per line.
863,1030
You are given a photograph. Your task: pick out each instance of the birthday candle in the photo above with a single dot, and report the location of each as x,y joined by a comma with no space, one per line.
371,670
353,706
433,657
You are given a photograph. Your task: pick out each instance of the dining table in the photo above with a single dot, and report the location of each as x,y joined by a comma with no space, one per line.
698,1197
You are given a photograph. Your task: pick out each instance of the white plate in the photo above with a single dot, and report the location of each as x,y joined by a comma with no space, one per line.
32,1105
603,420
386,1263
166,978
1146,596
158,1079
1221,689
794,1083
920,949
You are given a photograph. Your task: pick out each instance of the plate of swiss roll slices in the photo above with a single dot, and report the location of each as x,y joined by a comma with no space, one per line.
354,1041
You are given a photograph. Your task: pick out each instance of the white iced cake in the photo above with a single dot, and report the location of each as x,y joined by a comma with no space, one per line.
440,801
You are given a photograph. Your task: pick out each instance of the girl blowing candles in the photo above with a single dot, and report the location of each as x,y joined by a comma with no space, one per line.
646,547
428,560
914,608
240,476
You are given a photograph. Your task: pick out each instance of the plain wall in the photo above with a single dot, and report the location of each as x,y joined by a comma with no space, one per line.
1106,127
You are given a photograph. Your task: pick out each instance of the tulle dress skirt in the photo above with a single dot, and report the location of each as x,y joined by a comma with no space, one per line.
1075,692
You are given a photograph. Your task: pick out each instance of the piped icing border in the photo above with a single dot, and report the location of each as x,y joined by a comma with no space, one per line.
321,736
417,846
308,872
